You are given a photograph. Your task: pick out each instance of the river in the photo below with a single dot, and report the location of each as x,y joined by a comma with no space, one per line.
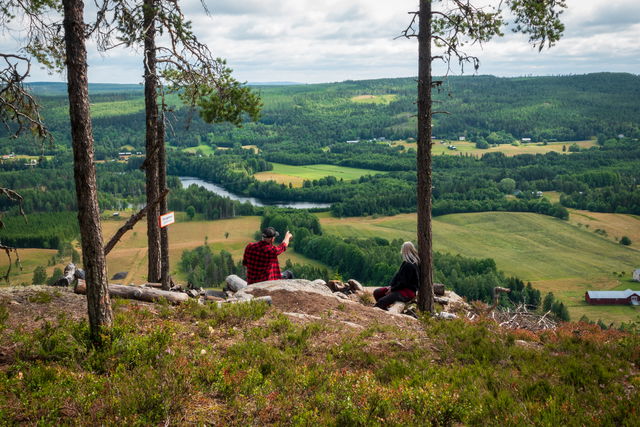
214,188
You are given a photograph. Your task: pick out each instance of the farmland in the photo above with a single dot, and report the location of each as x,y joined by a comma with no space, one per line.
556,256
130,254
285,174
468,147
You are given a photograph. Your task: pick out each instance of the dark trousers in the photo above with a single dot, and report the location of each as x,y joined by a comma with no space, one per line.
384,297
287,274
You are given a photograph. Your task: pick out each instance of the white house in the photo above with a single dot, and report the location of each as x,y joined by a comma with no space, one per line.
526,139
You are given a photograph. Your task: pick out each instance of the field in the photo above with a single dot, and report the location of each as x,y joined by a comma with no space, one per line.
566,258
374,99
130,254
285,174
467,147
204,149
556,256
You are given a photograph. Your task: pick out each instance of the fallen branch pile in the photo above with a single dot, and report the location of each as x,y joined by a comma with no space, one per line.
519,318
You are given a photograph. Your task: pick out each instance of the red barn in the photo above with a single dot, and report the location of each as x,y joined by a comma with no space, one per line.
627,297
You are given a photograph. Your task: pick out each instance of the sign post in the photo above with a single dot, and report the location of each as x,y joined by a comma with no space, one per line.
167,219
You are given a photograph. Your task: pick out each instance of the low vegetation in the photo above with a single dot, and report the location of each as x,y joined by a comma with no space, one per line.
248,364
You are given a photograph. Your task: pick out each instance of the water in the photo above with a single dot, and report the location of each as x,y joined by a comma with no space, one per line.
214,188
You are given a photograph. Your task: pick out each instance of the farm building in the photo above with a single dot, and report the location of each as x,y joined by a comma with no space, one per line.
636,275
612,297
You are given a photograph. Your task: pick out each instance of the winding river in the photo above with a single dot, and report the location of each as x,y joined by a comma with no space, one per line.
214,188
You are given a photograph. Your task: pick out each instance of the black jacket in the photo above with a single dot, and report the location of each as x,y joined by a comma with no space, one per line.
406,277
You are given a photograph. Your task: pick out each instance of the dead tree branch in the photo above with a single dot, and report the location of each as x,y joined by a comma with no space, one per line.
131,222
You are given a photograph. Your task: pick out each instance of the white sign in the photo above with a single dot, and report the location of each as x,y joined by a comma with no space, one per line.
167,219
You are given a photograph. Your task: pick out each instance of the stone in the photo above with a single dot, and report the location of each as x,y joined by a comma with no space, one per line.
292,285
119,276
355,286
217,294
396,307
193,293
235,283
438,289
341,296
334,285
320,282
445,315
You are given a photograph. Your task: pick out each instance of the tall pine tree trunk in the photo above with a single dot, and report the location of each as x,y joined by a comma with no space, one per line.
165,278
151,107
98,302
425,248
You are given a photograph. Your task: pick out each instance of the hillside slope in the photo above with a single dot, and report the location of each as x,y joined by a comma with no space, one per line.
248,364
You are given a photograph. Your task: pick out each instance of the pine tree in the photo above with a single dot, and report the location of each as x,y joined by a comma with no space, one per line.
449,29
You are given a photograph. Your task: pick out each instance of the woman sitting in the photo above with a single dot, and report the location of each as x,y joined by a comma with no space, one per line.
404,285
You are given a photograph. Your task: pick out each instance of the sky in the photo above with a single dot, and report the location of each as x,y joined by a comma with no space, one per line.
311,41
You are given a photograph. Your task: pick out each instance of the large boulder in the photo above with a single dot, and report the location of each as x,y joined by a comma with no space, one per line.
291,285
355,286
235,283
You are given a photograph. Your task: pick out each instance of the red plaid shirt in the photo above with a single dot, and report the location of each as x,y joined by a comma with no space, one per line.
261,260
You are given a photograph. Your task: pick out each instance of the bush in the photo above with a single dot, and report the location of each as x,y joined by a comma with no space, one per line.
625,241
39,276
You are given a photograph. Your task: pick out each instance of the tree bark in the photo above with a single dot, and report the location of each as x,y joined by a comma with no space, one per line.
98,302
140,293
425,249
165,278
151,170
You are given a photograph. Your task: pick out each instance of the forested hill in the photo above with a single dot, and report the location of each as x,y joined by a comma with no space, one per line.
302,119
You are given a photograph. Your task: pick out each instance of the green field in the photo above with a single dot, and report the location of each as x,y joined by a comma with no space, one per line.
440,147
204,149
558,256
285,174
374,99
555,255
130,254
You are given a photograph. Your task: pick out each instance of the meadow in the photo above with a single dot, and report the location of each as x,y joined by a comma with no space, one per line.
555,255
374,99
286,174
563,257
440,147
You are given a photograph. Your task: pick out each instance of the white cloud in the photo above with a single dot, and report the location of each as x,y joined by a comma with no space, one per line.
333,40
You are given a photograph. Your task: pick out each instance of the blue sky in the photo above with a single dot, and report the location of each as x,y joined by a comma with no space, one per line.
313,41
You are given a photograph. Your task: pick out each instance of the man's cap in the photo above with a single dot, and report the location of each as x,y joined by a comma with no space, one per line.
270,232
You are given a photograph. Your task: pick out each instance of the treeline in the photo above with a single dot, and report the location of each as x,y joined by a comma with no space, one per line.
472,189
374,261
39,230
206,269
298,121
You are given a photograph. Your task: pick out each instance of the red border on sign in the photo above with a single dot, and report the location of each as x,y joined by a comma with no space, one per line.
160,219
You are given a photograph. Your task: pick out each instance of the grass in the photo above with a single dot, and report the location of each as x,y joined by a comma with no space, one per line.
468,147
30,259
204,149
117,108
131,253
555,255
285,174
374,99
615,225
250,365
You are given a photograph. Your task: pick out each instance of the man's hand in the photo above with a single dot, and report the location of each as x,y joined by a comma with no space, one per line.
287,236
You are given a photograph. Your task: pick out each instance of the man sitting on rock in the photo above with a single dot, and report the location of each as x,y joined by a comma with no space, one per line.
261,258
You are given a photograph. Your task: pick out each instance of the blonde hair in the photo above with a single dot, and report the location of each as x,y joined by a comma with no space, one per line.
409,253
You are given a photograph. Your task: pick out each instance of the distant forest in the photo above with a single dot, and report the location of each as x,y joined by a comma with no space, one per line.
309,124
298,122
